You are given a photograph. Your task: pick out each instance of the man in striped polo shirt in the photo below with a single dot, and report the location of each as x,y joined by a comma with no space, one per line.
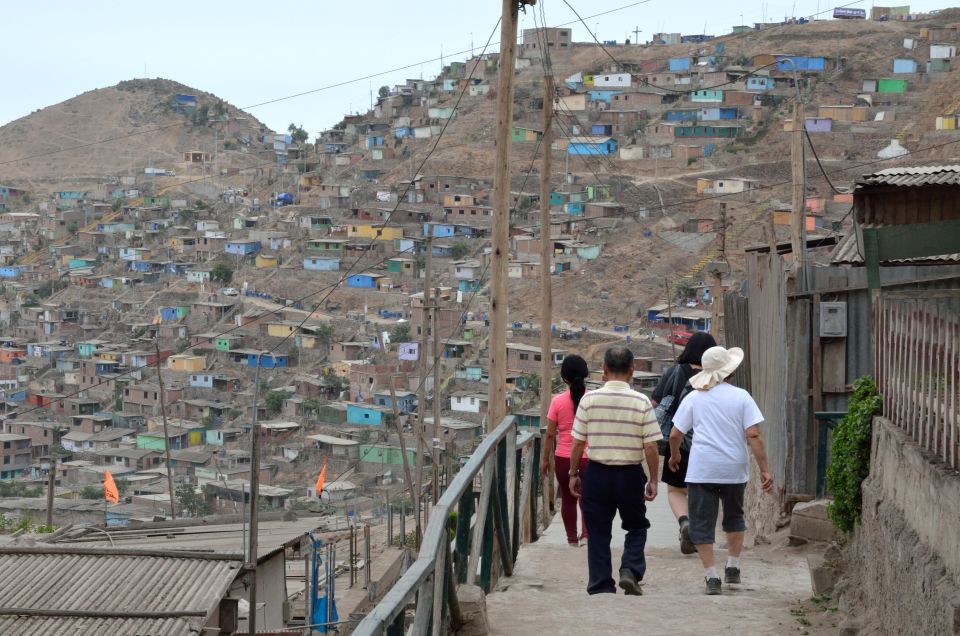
619,429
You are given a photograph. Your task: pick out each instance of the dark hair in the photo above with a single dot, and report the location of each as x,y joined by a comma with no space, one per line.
618,360
575,370
698,343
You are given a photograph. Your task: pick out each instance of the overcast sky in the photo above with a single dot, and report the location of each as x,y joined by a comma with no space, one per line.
251,52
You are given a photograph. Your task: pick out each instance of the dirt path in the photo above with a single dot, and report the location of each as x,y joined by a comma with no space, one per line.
546,594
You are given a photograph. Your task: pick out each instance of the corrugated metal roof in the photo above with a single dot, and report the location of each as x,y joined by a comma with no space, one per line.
108,585
913,176
849,252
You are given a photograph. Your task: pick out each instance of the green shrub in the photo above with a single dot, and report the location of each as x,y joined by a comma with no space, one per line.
850,458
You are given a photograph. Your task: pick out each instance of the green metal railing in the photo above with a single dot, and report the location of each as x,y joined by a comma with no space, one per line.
504,512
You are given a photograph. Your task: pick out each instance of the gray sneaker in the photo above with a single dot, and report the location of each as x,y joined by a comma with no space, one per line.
731,575
686,545
713,586
628,583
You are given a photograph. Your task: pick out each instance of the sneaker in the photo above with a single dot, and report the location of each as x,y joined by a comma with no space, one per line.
731,575
686,545
713,586
628,583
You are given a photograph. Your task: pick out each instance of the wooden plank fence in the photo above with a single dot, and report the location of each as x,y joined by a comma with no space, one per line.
916,347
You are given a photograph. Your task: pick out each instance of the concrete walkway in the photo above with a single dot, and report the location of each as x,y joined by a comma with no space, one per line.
547,596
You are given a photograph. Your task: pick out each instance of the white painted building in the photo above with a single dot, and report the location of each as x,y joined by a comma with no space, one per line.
468,402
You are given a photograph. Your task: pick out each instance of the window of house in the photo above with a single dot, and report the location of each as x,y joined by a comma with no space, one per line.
6,459
524,356
6,444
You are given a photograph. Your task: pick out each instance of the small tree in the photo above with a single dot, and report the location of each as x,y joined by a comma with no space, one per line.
460,249
400,333
192,503
274,401
334,381
298,134
384,91
221,273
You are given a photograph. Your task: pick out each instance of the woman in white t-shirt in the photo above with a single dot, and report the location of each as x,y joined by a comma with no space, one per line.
725,420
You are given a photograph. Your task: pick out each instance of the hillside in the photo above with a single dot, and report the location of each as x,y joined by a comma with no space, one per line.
139,115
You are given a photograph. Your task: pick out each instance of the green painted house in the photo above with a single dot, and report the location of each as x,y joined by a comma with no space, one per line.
891,86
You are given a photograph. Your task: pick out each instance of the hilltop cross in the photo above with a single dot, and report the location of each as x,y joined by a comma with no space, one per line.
636,35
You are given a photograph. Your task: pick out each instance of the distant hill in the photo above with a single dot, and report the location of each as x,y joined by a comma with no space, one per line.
139,115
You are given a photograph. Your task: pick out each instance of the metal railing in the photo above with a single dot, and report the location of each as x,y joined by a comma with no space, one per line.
504,512
917,359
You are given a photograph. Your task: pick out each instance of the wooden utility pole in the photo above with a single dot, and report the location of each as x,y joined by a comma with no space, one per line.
411,485
771,231
435,358
166,435
717,273
796,164
51,485
546,291
673,345
500,234
422,392
251,564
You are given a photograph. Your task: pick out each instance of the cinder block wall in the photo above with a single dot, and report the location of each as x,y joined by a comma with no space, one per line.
903,562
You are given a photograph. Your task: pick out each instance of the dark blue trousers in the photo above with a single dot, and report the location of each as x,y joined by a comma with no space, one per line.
608,490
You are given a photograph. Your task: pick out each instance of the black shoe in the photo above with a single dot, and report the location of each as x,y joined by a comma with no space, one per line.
731,575
628,583
686,545
713,586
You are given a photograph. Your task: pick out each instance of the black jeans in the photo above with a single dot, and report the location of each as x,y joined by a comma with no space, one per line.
608,490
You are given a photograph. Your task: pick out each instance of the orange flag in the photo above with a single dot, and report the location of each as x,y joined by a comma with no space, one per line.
110,492
322,478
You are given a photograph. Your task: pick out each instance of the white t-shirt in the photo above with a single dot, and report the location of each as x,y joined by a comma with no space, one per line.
720,418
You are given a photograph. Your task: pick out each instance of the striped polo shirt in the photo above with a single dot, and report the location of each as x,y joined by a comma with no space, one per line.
616,421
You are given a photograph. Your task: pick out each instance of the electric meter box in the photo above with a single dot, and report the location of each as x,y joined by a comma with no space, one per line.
833,320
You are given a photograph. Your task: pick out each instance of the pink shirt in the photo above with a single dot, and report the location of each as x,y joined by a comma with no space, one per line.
562,412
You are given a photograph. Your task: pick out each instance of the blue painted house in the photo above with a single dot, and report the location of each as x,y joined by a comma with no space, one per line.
402,131
267,360
592,146
717,113
367,414
11,271
904,65
242,248
597,95
602,130
760,83
801,63
440,230
679,64
406,401
363,281
374,141
680,115
318,264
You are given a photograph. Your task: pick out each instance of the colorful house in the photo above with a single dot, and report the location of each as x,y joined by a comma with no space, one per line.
708,95
186,362
366,414
363,281
375,232
789,63
319,264
904,65
760,83
267,261
891,86
592,146
267,360
242,247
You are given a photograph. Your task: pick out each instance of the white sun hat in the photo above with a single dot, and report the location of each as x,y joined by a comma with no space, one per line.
717,363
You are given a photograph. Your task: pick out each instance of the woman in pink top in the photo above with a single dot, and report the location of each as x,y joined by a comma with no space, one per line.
563,409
